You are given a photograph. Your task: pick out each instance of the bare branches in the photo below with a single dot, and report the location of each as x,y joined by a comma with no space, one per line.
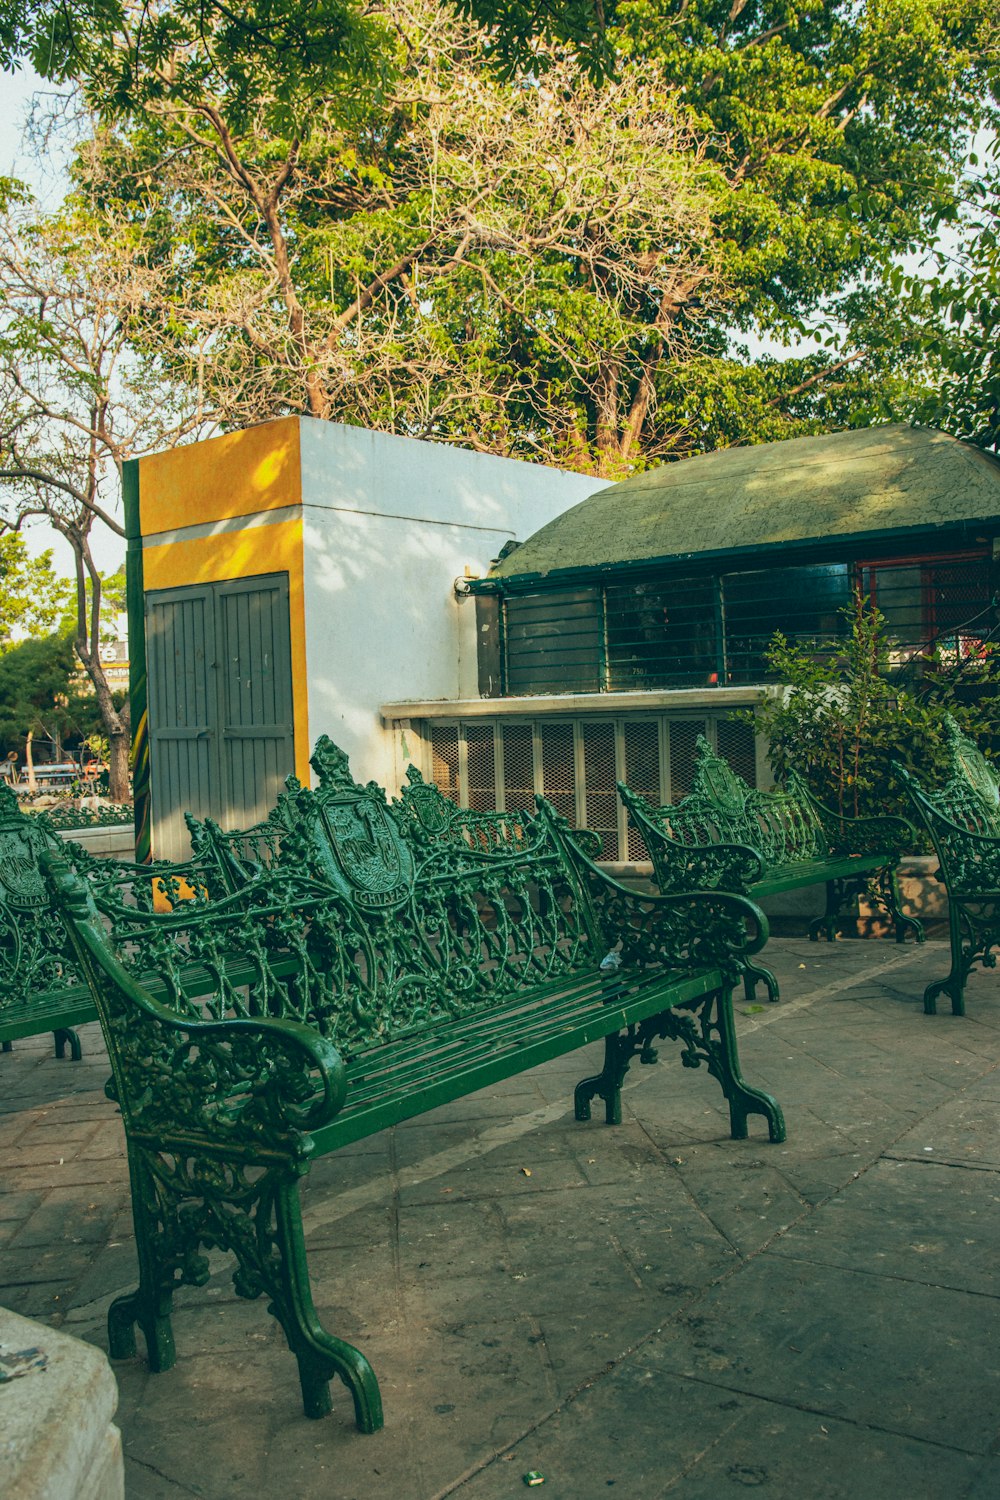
460,261
82,389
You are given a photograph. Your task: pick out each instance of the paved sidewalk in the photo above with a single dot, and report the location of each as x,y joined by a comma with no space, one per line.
653,1310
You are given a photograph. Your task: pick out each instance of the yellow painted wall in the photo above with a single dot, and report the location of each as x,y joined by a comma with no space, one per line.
238,474
241,474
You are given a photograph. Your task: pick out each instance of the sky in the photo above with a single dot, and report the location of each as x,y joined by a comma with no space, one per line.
17,93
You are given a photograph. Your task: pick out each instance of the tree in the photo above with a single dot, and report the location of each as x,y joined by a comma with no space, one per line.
38,695
963,340
555,268
845,716
308,43
78,396
33,600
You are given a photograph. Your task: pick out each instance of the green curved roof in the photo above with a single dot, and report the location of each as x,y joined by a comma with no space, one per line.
880,480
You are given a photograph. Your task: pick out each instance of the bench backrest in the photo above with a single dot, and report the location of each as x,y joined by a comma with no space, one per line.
962,815
435,816
34,950
784,825
971,793
361,931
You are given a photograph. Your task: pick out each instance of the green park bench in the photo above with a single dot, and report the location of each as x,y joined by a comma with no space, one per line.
36,992
962,818
727,835
41,988
360,978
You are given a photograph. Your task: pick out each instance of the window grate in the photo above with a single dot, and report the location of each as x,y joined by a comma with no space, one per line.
600,795
481,776
642,772
444,759
576,764
736,743
558,778
518,768
715,629
683,743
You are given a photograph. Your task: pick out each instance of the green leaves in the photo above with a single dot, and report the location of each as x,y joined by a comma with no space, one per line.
845,715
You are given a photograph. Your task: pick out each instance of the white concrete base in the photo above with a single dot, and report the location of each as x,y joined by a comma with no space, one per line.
57,1398
116,842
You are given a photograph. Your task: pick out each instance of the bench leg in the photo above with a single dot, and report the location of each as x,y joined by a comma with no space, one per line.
708,1034
607,1084
149,1305
754,974
890,897
63,1036
837,896
974,931
320,1355
182,1203
724,1063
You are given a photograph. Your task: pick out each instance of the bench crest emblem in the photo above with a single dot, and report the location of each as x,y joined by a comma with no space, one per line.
370,859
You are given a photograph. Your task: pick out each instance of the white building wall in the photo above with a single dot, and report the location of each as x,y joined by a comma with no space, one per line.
389,524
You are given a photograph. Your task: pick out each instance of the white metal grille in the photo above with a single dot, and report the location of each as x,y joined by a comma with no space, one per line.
600,795
642,772
736,744
558,778
480,776
683,737
518,768
576,763
444,759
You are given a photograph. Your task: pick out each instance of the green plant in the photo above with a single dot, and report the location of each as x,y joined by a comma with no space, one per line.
845,714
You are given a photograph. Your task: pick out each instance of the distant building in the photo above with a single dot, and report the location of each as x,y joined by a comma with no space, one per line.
303,577
639,619
292,577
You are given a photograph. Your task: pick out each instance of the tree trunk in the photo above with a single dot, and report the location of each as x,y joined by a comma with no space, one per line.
118,788
29,763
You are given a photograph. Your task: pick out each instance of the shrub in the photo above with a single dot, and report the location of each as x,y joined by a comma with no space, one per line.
846,713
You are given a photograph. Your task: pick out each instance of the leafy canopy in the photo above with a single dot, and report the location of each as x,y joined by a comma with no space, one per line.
33,599
546,266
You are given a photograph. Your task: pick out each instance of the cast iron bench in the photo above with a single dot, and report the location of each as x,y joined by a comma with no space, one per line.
963,820
727,835
36,994
358,980
41,988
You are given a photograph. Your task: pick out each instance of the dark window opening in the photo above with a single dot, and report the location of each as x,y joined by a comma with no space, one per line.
662,634
716,630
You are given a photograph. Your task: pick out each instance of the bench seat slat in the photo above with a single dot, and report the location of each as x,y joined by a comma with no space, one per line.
520,1024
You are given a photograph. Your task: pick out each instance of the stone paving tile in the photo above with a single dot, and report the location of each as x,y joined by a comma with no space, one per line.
594,1320
965,1131
649,1436
850,1345
919,1221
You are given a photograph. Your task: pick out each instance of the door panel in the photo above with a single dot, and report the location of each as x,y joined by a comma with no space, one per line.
220,704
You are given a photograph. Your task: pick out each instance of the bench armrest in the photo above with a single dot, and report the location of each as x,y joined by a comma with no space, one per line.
705,867
679,929
239,1082
680,866
888,832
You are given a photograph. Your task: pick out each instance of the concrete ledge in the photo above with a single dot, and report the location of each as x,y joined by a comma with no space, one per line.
57,1398
116,842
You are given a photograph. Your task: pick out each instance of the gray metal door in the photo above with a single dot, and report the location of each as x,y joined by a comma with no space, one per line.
218,661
